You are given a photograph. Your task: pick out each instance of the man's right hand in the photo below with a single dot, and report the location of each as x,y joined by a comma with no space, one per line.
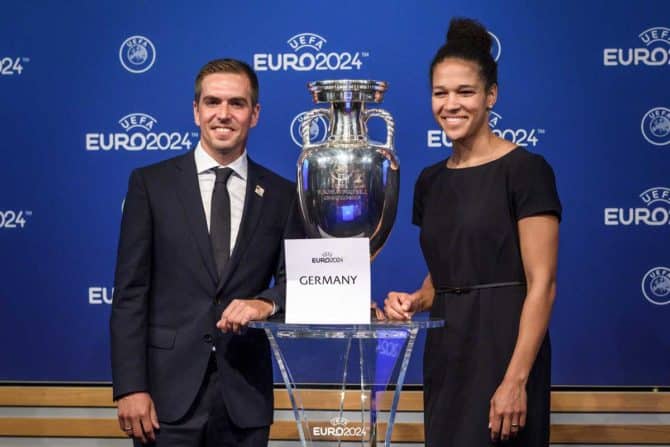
137,416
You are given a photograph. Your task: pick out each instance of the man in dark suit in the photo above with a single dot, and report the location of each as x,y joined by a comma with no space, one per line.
201,242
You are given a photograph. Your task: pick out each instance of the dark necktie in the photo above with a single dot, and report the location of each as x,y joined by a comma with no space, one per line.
219,226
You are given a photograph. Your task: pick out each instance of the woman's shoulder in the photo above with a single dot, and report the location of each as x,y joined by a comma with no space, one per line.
429,173
522,160
434,169
520,155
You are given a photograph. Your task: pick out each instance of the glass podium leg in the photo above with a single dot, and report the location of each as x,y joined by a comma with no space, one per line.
372,438
291,388
401,380
343,388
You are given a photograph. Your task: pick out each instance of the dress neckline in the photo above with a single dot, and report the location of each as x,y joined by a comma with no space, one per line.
516,148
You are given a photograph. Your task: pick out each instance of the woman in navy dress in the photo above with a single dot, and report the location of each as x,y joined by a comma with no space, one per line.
489,217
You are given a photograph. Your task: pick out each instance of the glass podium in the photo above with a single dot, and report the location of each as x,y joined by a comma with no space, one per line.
365,363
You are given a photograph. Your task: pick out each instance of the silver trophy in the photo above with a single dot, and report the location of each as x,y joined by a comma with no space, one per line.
348,185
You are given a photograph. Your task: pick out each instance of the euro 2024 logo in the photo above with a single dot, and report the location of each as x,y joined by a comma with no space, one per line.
656,213
12,219
139,135
137,54
339,428
520,136
656,286
10,66
308,55
655,53
655,126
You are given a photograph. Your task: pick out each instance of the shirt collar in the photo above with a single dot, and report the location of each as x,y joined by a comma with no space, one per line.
204,162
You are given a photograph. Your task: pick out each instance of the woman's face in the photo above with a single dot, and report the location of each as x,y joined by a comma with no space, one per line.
460,99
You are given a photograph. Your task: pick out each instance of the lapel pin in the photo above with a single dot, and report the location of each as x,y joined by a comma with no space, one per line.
259,191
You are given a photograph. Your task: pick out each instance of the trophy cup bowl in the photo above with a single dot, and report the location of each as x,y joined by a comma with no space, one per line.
348,184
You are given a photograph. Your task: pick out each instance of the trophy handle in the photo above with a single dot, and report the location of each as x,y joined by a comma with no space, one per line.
390,125
307,122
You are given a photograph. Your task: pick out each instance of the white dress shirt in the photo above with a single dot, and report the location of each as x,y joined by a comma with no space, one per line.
237,190
237,187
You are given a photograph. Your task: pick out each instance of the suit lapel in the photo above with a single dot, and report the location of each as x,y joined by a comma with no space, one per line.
188,191
253,207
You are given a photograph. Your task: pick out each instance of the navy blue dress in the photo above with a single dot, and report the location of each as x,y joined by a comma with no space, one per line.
469,236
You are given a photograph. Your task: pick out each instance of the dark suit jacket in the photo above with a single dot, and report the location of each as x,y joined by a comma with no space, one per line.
167,296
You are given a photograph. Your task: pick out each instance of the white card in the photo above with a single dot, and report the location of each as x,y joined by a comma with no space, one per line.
328,281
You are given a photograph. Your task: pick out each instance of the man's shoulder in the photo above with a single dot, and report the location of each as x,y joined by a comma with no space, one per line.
271,176
165,165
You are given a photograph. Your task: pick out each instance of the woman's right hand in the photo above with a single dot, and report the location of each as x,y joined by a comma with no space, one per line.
401,305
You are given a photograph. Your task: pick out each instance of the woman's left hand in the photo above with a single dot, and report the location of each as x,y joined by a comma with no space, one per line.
507,414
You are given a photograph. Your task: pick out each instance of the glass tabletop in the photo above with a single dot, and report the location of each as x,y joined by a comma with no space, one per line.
376,329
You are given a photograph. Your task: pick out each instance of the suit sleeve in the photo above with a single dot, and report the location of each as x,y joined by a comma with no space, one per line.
293,229
128,322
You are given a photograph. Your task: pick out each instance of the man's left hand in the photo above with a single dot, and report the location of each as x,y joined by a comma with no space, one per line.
240,312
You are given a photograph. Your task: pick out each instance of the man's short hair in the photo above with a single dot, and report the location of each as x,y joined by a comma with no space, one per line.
227,66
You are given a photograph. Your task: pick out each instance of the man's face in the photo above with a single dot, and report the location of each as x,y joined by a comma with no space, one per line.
225,114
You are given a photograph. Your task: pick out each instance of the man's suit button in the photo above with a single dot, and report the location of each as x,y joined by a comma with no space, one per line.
208,338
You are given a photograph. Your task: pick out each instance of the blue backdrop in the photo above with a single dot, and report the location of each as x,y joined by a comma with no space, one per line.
91,90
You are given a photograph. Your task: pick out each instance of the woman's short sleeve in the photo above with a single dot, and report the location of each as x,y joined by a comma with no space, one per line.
533,187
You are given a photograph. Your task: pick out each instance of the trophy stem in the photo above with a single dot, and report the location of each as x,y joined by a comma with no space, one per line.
346,125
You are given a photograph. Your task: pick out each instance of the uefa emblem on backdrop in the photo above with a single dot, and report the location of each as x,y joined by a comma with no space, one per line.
656,126
137,54
496,48
656,286
318,129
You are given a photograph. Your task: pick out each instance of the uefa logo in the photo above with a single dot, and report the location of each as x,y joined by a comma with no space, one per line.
137,54
309,55
656,286
654,53
496,48
656,126
318,129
